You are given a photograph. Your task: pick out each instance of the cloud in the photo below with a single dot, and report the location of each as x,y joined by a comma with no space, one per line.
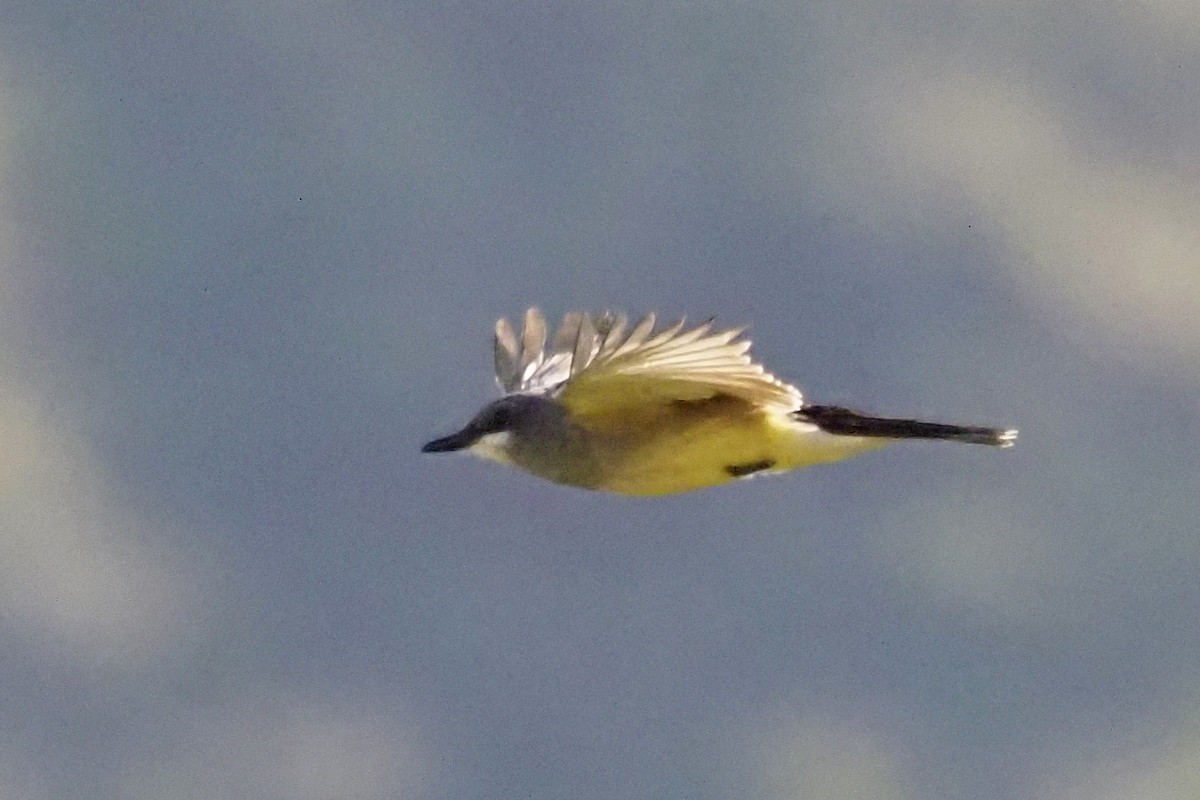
1164,765
80,569
983,554
1080,183
832,759
1100,243
279,745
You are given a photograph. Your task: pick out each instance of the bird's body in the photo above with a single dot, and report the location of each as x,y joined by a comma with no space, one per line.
684,445
658,412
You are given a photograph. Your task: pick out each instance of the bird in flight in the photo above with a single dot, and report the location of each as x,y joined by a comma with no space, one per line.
643,411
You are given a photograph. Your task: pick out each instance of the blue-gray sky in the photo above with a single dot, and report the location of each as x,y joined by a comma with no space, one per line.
251,254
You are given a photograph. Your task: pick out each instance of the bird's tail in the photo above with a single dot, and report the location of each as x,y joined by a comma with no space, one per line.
844,422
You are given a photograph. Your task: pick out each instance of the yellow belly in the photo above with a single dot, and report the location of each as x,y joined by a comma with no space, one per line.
688,446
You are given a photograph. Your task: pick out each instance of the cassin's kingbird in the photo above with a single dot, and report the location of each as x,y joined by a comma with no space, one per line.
650,412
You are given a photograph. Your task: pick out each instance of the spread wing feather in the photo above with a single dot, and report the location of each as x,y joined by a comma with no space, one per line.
595,367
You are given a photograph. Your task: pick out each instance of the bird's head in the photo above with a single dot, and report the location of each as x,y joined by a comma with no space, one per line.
499,426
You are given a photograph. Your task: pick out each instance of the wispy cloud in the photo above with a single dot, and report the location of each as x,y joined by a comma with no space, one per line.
1098,241
81,570
823,756
280,745
1158,763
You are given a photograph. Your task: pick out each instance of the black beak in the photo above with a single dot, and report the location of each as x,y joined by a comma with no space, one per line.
455,441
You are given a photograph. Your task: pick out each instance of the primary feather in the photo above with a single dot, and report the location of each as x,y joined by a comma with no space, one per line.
595,367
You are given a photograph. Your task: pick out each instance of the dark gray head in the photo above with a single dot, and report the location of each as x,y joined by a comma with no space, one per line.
520,415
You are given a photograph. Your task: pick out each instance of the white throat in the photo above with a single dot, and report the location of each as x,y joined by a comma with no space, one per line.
493,446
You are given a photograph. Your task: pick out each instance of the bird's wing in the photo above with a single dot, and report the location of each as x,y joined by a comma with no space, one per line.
522,363
598,365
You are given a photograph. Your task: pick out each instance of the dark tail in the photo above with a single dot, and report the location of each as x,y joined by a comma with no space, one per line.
844,422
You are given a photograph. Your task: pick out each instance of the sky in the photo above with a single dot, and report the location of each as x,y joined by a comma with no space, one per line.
251,255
